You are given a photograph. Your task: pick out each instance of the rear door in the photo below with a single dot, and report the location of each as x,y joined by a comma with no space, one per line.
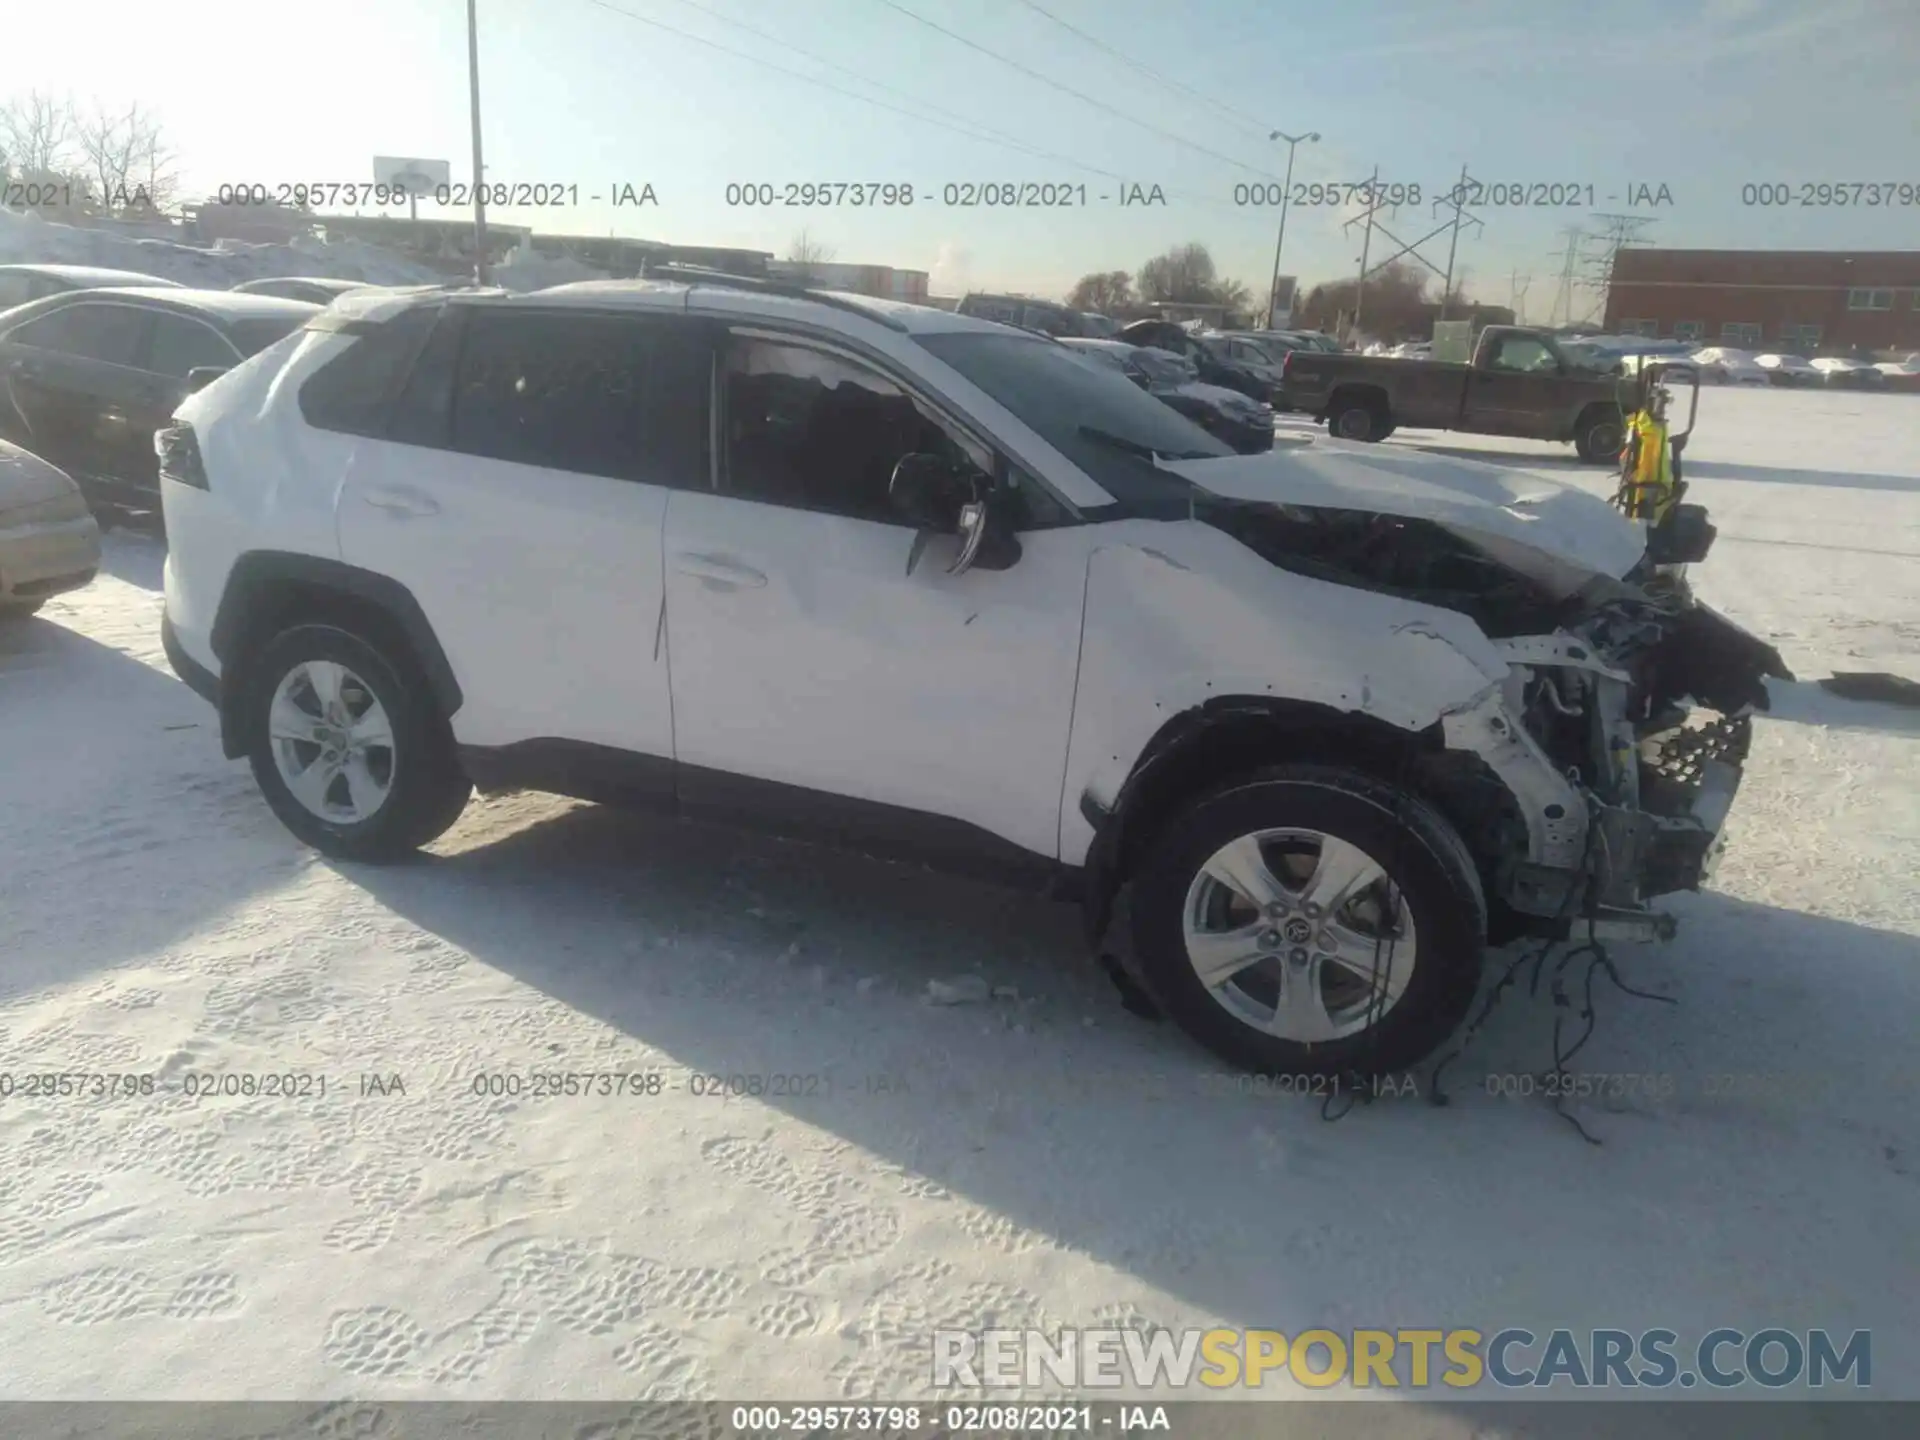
71,375
519,496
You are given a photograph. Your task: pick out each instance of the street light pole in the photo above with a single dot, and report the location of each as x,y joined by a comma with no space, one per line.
1286,195
479,174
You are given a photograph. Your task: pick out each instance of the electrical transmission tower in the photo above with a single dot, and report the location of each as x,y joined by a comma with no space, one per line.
1517,285
1603,251
1562,312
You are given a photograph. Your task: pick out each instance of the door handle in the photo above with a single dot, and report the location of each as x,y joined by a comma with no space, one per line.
400,502
729,574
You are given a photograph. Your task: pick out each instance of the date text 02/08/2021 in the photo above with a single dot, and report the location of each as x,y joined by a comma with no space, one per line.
954,194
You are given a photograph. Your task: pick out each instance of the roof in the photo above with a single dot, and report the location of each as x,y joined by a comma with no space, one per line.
329,282
96,276
746,299
225,304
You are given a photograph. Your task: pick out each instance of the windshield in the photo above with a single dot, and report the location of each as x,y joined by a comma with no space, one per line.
1072,406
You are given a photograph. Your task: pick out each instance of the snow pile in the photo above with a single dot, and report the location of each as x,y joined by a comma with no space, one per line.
30,239
527,269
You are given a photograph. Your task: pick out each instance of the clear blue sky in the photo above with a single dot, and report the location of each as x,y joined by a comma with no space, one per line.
1698,95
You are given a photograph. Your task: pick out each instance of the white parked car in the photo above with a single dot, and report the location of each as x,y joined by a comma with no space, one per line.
1723,365
1842,373
932,587
49,540
1789,370
1903,375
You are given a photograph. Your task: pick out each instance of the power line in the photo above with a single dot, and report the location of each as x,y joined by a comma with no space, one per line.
965,127
1263,130
1069,90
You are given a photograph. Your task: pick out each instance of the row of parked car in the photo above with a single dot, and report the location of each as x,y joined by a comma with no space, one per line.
93,362
1727,365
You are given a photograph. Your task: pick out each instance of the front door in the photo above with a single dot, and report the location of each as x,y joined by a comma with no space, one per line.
1520,389
813,678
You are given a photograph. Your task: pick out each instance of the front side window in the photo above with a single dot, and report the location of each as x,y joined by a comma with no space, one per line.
817,431
554,390
1524,354
181,346
92,331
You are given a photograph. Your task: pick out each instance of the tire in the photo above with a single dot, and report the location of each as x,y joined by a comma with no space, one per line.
19,609
424,790
1599,438
1402,837
1358,420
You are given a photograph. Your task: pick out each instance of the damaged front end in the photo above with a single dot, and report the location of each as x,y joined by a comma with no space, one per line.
1598,775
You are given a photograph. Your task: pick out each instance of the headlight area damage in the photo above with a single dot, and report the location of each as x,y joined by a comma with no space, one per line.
1598,775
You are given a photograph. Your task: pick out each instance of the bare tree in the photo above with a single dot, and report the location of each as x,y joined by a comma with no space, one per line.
1183,275
36,135
806,255
1108,292
127,160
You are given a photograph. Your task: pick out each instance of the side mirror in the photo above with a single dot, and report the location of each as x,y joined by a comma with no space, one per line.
202,376
930,492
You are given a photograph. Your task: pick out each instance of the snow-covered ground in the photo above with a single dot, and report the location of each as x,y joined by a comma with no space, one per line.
1036,1157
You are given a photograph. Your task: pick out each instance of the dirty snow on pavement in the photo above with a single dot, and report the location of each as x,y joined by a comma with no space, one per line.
1031,1156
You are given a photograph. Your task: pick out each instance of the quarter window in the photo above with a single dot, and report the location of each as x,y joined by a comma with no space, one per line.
180,346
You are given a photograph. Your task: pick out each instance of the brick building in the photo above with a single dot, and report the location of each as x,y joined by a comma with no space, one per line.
1799,301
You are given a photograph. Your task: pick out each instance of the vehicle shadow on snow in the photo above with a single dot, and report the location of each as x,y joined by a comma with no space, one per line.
1770,474
1805,703
137,557
1092,1131
112,767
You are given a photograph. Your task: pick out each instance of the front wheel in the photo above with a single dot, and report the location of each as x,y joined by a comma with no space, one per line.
348,746
1311,920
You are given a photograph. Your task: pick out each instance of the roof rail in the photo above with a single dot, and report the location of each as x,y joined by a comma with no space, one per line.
726,279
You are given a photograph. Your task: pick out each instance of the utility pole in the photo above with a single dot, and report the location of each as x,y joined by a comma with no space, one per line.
479,171
1286,194
1366,246
1517,294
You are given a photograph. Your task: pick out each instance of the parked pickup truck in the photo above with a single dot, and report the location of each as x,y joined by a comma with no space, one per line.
1519,383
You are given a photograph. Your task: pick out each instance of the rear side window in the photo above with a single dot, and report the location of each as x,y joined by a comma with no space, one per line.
569,391
95,332
354,392
180,346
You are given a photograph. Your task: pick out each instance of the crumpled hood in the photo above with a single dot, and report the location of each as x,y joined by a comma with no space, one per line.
1553,532
26,479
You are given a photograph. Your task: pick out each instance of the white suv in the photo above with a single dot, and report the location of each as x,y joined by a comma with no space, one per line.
1295,728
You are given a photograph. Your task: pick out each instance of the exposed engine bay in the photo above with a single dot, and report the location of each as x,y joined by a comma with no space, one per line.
1599,774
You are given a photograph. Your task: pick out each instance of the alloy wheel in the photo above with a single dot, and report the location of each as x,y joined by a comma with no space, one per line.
332,742
1299,934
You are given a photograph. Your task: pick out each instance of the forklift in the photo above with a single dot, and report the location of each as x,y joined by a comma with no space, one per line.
1652,486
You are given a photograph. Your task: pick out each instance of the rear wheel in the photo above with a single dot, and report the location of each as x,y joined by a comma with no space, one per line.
1599,437
1358,419
348,746
1311,920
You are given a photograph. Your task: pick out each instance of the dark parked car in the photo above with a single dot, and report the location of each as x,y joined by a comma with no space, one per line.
1208,359
1059,321
314,289
20,284
87,377
1246,425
